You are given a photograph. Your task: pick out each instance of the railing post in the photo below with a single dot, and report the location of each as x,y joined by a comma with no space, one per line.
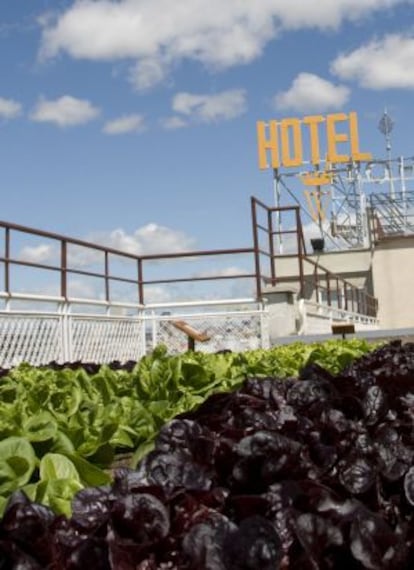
300,254
271,247
256,251
107,295
345,296
66,331
338,295
328,288
140,282
316,283
63,270
362,302
6,263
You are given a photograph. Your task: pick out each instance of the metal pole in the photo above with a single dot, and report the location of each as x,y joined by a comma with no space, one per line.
277,193
345,296
385,126
6,263
338,295
271,247
328,288
63,270
403,193
256,250
106,277
300,256
140,283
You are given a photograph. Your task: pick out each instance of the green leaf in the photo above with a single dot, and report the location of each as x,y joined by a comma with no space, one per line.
3,504
17,463
58,494
62,444
56,466
102,383
10,390
142,450
65,401
30,490
123,439
102,456
90,474
40,427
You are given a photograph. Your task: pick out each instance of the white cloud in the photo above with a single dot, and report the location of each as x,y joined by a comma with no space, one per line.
174,122
222,272
380,64
158,33
66,111
81,290
146,73
38,254
126,124
146,240
310,92
158,294
9,109
210,108
80,256
149,239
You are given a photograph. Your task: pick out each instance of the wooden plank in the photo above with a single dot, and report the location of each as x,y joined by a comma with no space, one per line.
343,329
190,331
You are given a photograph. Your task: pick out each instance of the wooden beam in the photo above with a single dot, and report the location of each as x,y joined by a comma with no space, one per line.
192,334
343,329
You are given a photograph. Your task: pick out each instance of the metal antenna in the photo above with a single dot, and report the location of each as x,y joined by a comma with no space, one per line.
385,126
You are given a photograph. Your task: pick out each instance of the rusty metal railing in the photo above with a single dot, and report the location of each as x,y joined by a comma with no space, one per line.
64,269
320,281
335,290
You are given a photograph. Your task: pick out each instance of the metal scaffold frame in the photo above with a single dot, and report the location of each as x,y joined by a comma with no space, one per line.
351,203
357,191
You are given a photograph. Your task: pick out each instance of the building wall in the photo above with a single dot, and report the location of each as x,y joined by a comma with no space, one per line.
352,265
386,271
393,277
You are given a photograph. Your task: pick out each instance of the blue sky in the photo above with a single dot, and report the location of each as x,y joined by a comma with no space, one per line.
133,122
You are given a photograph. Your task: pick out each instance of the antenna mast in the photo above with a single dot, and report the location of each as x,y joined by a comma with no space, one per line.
385,126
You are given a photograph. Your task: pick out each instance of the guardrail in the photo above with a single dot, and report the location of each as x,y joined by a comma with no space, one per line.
391,215
333,290
321,283
62,245
39,328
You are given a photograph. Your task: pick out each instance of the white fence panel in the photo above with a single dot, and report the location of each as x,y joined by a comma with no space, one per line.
30,338
104,339
39,337
236,331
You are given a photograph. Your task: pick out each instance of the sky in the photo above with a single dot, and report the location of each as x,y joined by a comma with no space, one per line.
133,122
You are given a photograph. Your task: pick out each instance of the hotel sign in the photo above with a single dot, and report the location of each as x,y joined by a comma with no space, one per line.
283,143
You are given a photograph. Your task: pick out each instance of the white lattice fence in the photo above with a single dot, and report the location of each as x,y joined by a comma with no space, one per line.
25,338
106,339
237,332
39,338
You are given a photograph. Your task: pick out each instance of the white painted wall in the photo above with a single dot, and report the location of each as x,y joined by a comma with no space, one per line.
387,271
393,277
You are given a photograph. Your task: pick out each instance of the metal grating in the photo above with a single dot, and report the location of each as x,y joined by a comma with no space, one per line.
105,340
31,339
